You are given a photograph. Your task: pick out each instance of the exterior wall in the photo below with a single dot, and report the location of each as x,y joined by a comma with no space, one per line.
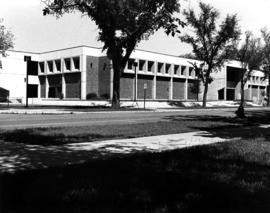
163,88
126,86
42,83
73,85
104,77
92,77
13,73
179,89
148,80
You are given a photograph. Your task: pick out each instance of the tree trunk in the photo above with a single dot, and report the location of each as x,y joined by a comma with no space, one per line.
205,92
240,112
116,84
268,89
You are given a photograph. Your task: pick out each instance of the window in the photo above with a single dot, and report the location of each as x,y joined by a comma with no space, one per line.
150,66
191,71
141,65
160,67
58,65
130,64
41,67
183,70
176,69
76,63
67,64
167,68
50,66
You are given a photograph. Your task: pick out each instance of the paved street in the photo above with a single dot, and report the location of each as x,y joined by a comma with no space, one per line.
12,121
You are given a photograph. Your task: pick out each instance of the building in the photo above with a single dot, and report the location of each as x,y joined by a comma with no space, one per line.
85,73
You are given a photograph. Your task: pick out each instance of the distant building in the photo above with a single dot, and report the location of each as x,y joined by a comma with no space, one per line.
85,72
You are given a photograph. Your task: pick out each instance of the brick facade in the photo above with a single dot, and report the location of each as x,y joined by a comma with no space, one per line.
148,80
73,85
163,88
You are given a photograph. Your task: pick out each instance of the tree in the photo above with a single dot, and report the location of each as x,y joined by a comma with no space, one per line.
122,25
266,59
250,56
211,45
6,39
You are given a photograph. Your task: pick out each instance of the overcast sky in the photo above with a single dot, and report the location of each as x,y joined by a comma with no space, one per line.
37,33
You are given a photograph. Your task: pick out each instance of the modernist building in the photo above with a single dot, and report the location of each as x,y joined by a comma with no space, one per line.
85,72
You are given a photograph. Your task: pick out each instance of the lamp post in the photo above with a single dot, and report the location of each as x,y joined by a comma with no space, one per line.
27,59
135,64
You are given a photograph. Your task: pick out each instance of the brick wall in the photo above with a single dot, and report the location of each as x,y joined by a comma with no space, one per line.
92,78
178,88
73,85
126,86
192,94
140,88
42,81
104,77
162,90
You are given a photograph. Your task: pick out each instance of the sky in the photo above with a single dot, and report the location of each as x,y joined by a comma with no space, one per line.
37,33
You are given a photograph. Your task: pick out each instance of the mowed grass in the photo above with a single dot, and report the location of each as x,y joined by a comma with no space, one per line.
225,177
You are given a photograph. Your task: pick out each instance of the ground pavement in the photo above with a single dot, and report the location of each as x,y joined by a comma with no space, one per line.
15,156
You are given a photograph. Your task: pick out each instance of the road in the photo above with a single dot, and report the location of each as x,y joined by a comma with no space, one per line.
18,121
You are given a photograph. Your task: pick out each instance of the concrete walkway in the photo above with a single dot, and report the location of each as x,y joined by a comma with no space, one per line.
15,157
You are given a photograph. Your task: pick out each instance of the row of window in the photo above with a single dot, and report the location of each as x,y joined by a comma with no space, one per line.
256,79
54,66
162,68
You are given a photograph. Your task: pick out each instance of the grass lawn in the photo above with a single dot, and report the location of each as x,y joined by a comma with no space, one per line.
226,177
62,135
217,125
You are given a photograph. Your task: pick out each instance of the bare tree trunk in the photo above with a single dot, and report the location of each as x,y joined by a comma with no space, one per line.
116,84
268,89
205,94
240,112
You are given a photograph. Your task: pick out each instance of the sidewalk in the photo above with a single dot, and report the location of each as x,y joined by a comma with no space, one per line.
15,157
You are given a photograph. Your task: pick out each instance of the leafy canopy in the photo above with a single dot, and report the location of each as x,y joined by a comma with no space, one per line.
211,44
250,54
122,23
6,39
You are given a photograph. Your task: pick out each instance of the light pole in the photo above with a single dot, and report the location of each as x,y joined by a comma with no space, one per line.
135,64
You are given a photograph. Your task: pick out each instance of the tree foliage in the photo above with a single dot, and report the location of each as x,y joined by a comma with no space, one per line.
122,25
6,39
266,58
212,44
250,55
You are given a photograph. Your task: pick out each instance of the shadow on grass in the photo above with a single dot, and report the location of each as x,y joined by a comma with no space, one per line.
231,177
38,136
253,126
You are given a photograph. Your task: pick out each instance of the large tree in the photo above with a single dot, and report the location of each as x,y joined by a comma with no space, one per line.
212,45
6,39
266,59
250,56
122,25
